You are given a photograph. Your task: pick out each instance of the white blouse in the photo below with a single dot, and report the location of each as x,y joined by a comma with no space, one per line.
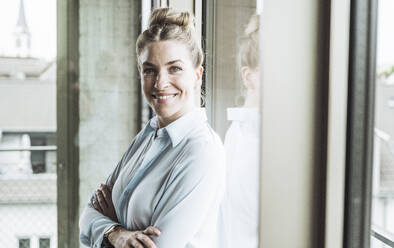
239,210
172,178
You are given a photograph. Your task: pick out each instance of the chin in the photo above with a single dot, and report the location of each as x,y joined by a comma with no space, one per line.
163,113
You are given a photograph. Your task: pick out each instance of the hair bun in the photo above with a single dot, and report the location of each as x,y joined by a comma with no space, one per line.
253,25
162,16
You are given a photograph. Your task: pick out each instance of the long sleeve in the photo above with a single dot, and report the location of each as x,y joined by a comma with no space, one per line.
93,224
180,189
188,209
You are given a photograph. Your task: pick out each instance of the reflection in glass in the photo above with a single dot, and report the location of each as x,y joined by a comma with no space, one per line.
240,205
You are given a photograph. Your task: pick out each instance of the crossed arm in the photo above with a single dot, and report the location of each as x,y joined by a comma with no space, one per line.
122,237
188,204
100,215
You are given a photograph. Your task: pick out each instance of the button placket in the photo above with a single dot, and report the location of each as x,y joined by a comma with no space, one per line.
155,147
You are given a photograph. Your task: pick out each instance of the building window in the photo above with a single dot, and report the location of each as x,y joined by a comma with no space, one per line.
24,243
38,157
44,243
390,102
18,43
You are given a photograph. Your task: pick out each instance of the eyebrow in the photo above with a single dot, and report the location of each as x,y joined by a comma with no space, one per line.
174,61
168,63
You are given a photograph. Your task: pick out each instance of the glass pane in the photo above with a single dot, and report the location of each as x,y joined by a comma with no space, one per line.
24,243
235,108
44,243
27,120
383,161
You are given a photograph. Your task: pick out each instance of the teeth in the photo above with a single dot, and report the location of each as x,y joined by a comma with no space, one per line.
164,97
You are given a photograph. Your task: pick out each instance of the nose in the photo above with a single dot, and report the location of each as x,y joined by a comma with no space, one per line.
162,80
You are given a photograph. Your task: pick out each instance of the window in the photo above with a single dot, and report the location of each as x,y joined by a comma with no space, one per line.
390,102
44,243
232,83
28,181
24,243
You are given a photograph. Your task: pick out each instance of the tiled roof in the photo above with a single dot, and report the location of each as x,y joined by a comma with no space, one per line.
35,188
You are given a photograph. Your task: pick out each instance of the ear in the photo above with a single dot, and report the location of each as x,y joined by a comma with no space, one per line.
199,73
246,74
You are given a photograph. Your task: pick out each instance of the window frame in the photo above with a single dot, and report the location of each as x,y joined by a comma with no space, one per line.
360,123
208,46
67,76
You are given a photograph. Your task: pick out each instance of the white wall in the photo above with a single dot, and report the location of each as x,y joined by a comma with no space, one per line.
27,221
290,65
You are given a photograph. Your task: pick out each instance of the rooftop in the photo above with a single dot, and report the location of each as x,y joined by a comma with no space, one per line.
28,67
35,188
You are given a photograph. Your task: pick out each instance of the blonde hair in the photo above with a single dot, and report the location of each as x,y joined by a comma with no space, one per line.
170,24
249,50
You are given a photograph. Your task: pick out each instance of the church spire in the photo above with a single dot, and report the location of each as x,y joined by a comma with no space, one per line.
22,33
22,24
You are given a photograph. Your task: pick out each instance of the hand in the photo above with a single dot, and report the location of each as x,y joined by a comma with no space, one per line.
122,238
104,202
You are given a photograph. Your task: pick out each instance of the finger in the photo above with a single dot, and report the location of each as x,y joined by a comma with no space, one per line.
151,230
146,240
110,187
135,243
107,194
97,206
101,200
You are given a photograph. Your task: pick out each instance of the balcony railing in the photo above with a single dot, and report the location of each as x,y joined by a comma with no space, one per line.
27,148
383,236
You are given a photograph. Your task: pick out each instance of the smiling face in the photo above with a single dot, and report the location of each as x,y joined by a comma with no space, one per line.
169,80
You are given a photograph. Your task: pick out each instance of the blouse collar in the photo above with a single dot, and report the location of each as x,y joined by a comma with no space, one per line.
181,127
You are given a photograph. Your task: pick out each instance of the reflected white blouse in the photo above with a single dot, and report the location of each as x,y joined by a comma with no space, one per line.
172,178
239,210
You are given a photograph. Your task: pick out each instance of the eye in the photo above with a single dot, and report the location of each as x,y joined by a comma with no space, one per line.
148,71
174,69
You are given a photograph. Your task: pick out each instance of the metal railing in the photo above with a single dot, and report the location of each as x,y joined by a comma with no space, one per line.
383,236
27,148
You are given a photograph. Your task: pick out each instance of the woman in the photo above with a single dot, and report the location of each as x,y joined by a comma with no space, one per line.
168,186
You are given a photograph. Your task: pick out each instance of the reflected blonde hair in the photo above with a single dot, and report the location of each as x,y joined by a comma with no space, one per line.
169,24
249,50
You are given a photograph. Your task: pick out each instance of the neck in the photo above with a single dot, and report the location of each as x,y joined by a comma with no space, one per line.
252,99
165,121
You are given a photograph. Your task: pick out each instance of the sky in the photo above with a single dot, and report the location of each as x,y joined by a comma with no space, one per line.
41,20
385,47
